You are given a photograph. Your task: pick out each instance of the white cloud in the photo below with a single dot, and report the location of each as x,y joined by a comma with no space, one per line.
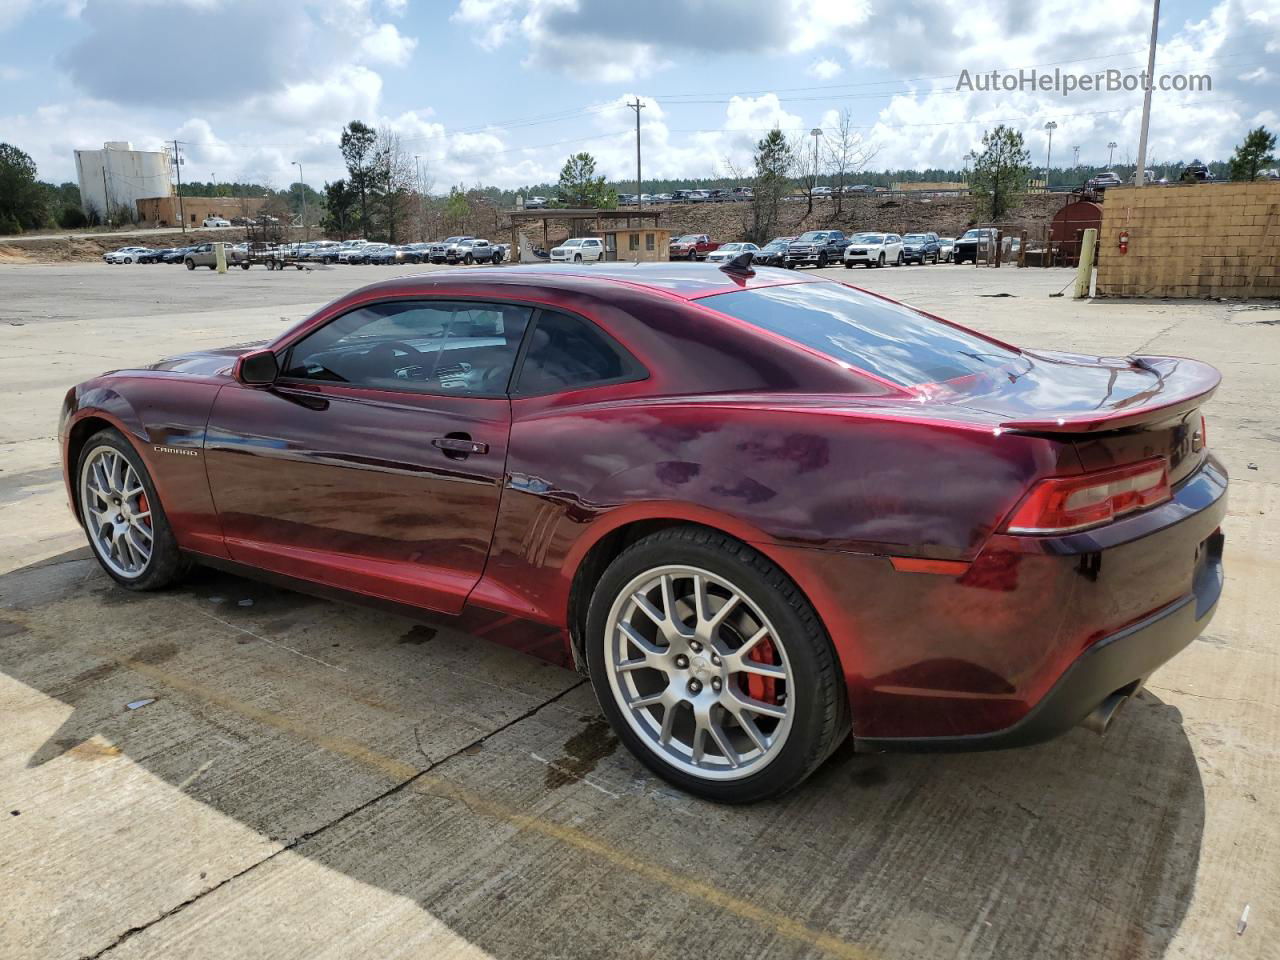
824,69
386,44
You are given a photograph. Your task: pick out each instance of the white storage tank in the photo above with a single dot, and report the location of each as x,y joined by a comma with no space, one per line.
118,176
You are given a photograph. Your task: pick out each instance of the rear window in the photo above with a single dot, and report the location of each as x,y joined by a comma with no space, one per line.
891,341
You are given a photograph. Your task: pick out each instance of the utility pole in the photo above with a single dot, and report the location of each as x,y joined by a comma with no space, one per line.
1111,149
177,166
422,201
303,184
1050,126
637,107
1141,179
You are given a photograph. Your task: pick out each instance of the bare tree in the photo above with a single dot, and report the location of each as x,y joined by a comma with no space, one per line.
847,154
394,180
808,163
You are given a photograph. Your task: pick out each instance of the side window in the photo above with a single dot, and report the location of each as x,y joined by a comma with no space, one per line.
567,353
423,346
633,241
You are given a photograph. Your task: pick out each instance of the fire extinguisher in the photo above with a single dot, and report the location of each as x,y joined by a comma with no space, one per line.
1124,241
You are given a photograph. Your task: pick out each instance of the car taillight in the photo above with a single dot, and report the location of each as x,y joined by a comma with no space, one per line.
1067,504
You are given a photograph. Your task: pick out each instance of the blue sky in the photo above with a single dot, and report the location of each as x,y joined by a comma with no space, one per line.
501,91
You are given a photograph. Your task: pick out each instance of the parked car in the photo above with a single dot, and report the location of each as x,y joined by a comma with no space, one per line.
963,546
535,203
473,250
816,248
216,222
439,251
966,248
742,193
1195,171
716,196
204,255
921,248
125,254
699,196
383,254
413,253
1102,181
579,250
947,248
324,251
242,221
362,253
626,199
773,253
692,246
663,198
875,250
727,251
822,191
151,256
348,248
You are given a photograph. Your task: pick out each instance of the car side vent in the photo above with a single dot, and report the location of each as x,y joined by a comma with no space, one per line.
740,265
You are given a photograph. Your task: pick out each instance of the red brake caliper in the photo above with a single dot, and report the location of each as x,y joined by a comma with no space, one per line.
144,507
762,688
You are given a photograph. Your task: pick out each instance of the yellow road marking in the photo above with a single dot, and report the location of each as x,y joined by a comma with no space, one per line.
438,786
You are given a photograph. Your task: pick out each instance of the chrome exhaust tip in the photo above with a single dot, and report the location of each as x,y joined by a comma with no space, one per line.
1099,719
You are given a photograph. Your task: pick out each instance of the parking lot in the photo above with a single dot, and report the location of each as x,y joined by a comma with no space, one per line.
233,770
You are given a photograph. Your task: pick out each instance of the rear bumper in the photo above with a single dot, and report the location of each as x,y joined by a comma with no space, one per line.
1125,659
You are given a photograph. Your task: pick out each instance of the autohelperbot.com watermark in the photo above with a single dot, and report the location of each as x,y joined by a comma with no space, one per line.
1066,83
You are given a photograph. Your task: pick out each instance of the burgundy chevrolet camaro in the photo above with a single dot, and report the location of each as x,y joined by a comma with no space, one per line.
769,511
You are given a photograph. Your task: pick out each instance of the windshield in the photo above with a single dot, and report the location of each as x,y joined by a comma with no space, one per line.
971,235
870,238
915,238
728,247
886,339
812,235
572,243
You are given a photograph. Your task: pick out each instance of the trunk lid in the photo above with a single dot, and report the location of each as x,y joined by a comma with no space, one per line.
1114,410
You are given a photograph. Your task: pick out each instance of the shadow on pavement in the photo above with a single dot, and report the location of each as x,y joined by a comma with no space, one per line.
483,787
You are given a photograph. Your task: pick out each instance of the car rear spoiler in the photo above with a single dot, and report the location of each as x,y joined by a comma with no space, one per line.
1181,386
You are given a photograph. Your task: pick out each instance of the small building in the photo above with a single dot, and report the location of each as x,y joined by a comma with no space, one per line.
118,176
640,244
170,210
582,222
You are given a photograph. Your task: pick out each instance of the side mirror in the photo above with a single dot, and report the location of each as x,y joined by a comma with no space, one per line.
258,369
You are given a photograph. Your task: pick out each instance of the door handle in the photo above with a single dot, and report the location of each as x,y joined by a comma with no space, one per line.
464,445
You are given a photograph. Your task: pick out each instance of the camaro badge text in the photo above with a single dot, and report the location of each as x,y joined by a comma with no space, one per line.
177,450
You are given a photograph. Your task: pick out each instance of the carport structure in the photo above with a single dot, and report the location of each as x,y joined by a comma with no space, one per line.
582,221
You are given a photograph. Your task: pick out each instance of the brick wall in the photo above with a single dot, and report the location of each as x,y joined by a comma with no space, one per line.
1191,240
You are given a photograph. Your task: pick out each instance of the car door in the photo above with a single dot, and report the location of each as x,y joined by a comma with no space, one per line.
375,461
893,247
592,249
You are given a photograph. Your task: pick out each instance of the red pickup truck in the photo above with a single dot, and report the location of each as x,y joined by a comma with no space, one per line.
692,246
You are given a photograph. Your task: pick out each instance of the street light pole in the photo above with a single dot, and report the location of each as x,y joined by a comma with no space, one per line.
306,227
1141,179
1111,149
1050,126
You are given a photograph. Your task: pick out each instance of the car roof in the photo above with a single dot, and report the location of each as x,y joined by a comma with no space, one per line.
689,281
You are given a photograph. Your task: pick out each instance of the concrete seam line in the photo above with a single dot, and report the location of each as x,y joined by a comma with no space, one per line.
762,916
340,745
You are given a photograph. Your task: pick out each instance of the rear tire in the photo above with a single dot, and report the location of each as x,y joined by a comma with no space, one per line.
109,461
796,715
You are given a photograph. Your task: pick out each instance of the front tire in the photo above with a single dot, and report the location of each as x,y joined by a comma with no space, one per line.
123,518
713,668
880,260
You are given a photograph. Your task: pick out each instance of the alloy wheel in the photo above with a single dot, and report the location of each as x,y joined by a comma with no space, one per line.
699,672
116,512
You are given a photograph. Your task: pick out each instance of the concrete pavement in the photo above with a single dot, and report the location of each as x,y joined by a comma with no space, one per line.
300,778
